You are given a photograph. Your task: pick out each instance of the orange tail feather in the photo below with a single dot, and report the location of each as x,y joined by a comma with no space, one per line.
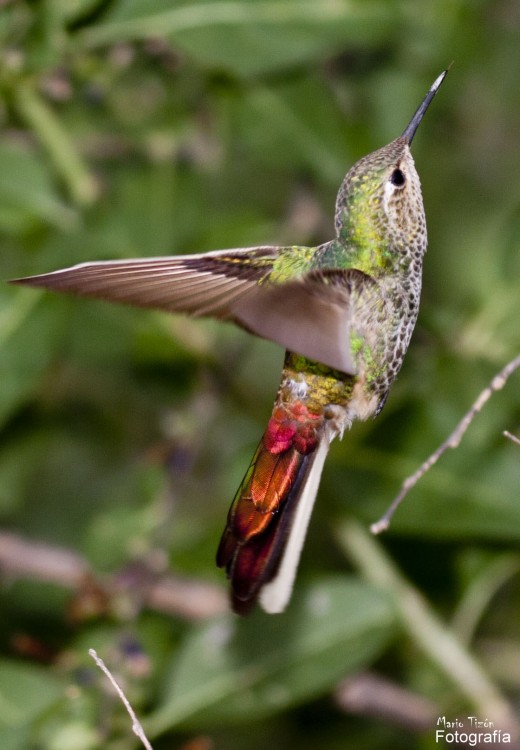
261,514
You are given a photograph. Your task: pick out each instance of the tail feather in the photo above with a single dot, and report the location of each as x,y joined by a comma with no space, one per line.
261,545
275,595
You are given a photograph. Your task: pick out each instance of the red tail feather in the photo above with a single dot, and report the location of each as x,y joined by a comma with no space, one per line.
261,514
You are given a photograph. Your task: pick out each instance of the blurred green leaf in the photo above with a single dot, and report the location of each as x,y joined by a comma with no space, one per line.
297,136
231,670
254,36
27,194
15,738
22,366
61,149
25,693
72,10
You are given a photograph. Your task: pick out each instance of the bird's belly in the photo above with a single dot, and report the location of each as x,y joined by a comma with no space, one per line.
364,403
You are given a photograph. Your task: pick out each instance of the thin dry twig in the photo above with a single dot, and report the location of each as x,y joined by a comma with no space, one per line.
137,729
511,437
452,441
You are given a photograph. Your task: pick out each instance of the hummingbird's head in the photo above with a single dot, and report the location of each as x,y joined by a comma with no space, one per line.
379,209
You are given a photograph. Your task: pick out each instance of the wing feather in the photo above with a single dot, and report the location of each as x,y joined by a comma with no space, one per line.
310,314
200,284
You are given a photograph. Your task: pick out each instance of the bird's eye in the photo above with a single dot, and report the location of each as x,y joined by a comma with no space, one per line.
397,178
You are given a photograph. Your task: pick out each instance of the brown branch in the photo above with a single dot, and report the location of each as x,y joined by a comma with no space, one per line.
452,441
25,558
373,696
190,599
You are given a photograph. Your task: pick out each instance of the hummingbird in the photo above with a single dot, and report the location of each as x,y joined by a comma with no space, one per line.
343,310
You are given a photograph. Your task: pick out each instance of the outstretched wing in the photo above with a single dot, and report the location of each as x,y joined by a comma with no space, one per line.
203,284
309,314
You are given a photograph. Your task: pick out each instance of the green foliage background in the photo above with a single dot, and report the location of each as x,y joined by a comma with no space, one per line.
151,127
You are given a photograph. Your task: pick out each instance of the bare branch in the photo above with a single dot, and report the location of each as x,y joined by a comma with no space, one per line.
27,558
453,441
370,694
136,724
182,597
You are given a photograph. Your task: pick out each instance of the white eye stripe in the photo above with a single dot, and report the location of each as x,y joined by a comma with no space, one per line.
389,190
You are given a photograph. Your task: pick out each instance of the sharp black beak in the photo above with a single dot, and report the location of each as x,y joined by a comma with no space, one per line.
409,132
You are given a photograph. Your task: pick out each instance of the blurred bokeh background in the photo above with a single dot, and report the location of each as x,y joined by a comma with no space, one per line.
153,127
